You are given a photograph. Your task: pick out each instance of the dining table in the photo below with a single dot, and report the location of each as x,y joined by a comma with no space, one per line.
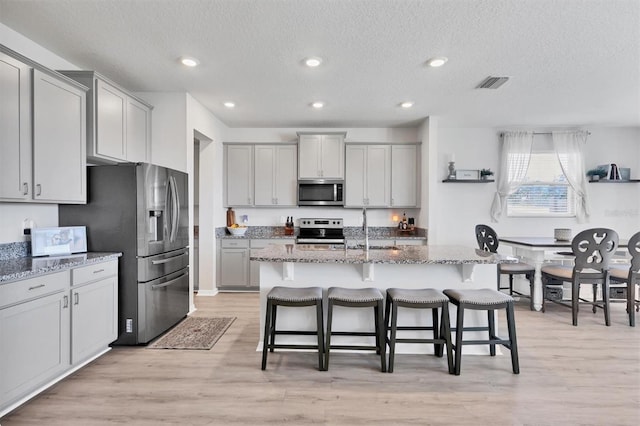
537,250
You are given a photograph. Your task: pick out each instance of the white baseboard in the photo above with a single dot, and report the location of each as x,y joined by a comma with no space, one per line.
207,292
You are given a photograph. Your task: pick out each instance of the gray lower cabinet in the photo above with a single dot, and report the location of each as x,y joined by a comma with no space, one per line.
234,264
34,331
51,324
94,309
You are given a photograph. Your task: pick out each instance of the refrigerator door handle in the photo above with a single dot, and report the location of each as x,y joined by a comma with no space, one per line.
168,283
168,219
175,208
169,259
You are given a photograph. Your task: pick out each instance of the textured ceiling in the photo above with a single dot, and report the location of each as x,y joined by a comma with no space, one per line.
570,62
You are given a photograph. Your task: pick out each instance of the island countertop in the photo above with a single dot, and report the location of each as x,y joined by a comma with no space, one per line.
436,254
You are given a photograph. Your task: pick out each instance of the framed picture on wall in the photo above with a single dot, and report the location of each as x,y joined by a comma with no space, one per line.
467,174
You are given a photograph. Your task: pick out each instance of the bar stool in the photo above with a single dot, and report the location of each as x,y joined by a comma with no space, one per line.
357,298
487,300
427,298
297,297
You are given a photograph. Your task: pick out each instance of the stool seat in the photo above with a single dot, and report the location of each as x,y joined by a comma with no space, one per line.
483,296
417,296
620,271
354,295
514,268
295,295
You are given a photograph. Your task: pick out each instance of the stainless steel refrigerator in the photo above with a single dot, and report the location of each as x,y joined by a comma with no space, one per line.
140,210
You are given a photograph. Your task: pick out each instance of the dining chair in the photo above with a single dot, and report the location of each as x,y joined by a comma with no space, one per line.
630,274
488,241
593,250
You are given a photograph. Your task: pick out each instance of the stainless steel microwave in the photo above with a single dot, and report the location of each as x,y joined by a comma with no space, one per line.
321,192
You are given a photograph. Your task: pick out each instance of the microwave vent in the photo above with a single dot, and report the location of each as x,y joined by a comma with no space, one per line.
492,82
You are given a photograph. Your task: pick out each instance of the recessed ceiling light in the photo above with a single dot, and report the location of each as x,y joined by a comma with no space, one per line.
313,61
317,105
229,104
189,61
437,61
407,104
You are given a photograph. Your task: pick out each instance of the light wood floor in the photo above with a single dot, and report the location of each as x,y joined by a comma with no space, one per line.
587,375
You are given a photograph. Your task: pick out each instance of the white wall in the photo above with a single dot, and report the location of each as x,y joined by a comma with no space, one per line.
274,135
461,206
13,214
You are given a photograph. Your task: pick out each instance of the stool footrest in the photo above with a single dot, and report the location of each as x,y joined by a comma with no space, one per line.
292,346
352,333
354,347
292,332
414,328
419,340
485,342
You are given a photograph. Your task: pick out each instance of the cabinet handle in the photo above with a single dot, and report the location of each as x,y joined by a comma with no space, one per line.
36,286
25,188
38,189
77,298
65,302
98,271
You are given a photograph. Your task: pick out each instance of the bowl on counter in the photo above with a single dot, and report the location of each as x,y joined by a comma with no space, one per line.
238,232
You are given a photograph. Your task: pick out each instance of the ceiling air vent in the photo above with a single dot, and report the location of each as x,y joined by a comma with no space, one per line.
492,82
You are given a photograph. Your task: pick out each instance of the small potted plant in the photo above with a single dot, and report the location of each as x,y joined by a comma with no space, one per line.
596,174
485,173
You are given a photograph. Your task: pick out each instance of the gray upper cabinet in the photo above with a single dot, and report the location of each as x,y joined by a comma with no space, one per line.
405,177
368,176
119,124
15,129
321,156
275,175
238,175
42,133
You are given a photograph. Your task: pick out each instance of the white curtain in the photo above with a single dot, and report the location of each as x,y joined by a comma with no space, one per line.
569,149
514,162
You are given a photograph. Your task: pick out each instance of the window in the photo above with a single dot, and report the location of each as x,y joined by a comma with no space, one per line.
545,191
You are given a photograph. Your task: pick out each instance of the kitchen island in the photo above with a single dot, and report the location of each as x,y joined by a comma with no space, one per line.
438,267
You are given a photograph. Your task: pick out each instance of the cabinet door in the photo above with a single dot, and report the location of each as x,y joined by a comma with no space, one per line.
138,131
234,268
404,176
286,176
238,175
35,344
59,137
378,181
309,165
265,175
94,318
332,157
355,176
111,105
15,130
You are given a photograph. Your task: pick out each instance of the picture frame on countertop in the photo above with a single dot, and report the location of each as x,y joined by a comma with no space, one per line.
467,174
625,173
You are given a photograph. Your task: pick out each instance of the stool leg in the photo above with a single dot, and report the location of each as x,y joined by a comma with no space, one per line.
511,284
272,341
459,327
327,347
594,292
381,339
511,324
446,333
319,331
378,322
631,289
266,335
530,277
437,347
492,331
392,339
575,293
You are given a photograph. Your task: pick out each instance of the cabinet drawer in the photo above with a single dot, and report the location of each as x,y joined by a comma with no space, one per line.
262,243
229,243
34,287
94,272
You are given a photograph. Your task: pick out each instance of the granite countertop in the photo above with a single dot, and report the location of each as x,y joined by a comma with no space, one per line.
451,255
21,268
350,232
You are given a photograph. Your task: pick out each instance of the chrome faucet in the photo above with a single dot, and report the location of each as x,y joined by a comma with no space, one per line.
365,228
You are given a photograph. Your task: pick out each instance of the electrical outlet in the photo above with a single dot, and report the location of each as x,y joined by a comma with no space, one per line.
129,325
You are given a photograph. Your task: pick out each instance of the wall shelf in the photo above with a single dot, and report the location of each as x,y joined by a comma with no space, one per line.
468,180
615,181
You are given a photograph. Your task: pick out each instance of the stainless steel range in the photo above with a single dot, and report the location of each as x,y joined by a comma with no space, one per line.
321,231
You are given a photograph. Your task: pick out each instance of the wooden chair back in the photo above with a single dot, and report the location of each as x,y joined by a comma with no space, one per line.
634,251
487,238
593,249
